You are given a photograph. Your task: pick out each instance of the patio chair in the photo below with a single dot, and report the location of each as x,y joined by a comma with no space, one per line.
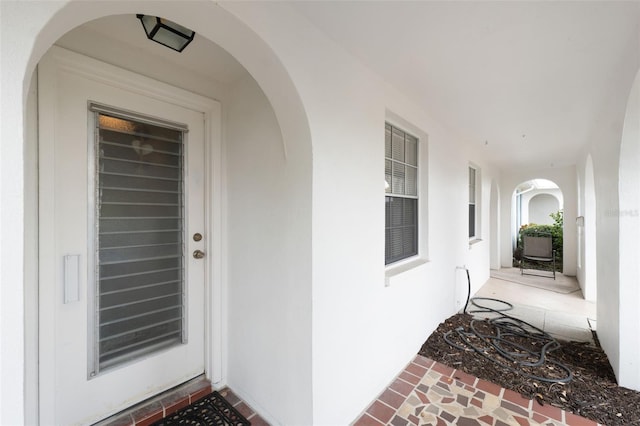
538,249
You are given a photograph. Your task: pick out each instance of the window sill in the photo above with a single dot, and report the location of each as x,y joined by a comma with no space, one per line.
395,270
474,242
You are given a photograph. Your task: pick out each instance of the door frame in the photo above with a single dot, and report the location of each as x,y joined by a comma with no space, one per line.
214,310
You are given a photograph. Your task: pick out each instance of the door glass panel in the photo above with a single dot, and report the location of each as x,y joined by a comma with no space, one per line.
139,217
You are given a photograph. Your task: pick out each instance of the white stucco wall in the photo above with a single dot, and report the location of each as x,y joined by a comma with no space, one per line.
363,331
262,302
494,224
15,47
306,281
616,321
539,204
606,157
629,222
587,263
540,207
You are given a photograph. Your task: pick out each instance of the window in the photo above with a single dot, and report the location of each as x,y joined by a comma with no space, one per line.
139,244
473,210
401,200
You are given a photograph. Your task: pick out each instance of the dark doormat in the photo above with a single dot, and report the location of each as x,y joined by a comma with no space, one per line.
212,410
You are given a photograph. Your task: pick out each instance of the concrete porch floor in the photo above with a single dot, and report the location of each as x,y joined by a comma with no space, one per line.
429,393
557,308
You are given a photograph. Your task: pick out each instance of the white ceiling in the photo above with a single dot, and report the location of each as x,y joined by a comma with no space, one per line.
530,83
527,81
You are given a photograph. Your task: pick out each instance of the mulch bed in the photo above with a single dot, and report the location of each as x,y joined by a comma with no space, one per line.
592,393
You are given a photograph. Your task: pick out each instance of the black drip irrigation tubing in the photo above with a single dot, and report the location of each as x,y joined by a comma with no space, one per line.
505,329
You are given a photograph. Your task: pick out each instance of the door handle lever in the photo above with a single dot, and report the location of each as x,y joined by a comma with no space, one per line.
198,254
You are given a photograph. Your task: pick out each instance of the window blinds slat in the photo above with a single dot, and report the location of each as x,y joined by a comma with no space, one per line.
411,182
138,261
139,224
139,182
132,315
140,153
387,141
141,279
387,175
157,301
141,175
137,149
119,270
110,195
109,241
140,169
398,178
138,287
411,150
113,256
125,350
114,332
140,162
146,211
397,145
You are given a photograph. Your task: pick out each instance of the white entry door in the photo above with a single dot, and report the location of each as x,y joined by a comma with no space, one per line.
122,241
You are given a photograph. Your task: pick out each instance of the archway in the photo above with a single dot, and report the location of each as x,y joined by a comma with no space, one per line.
629,234
534,201
511,216
222,28
537,202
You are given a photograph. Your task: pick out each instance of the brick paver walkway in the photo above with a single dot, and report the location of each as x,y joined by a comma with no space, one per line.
429,393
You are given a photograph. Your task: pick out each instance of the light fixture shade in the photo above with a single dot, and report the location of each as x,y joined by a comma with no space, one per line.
166,32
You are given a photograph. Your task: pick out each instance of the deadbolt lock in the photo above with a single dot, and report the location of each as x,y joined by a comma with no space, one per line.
197,236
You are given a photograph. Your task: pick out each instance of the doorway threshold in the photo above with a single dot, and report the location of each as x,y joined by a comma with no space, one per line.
160,406
157,408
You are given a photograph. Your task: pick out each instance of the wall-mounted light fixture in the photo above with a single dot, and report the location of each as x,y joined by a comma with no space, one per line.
166,32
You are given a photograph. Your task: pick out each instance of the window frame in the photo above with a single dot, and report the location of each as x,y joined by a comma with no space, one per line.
408,191
476,203
96,366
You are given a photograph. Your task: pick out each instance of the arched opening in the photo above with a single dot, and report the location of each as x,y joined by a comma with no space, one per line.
629,235
258,101
539,204
534,201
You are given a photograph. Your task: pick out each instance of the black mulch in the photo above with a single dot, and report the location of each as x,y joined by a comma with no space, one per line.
212,410
592,393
